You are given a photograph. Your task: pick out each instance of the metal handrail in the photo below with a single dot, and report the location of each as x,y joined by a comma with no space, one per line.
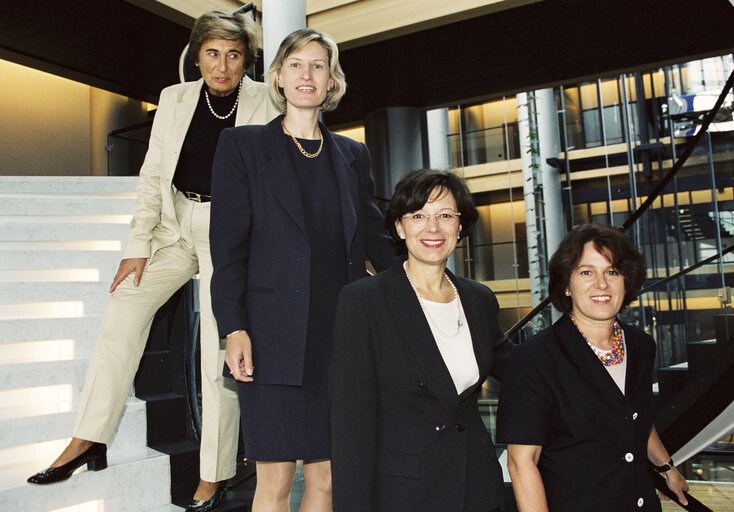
657,192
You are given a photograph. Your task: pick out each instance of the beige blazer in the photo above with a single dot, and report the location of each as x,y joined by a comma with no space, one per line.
154,224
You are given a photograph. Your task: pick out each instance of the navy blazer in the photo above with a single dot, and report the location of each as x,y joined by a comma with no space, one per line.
260,246
402,438
558,395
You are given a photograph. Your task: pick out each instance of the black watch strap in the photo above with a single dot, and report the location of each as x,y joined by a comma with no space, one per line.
664,467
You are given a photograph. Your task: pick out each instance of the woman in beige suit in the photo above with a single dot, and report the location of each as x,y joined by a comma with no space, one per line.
168,242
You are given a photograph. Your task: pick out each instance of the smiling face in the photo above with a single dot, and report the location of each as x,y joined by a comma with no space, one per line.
596,287
305,78
434,242
222,63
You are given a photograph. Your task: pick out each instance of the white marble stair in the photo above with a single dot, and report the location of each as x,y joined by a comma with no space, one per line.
60,244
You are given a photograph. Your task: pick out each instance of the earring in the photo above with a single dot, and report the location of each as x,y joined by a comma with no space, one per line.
568,294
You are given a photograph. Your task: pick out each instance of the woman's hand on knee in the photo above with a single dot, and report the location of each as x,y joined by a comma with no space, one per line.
239,356
127,267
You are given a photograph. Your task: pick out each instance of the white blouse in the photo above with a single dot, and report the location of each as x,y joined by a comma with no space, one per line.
457,352
618,372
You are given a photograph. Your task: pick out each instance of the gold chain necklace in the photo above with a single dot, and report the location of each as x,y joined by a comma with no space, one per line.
303,151
459,323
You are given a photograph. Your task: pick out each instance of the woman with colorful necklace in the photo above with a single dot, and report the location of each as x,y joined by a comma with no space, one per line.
412,347
576,404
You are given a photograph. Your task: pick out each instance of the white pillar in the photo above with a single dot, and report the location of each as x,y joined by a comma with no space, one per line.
530,157
437,122
555,226
280,18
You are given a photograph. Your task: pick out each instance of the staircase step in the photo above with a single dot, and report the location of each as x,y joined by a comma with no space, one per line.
19,376
32,204
171,508
700,356
66,185
64,228
34,259
82,331
118,487
20,432
93,296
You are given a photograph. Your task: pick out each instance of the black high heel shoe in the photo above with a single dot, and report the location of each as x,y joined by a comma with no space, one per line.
211,503
95,457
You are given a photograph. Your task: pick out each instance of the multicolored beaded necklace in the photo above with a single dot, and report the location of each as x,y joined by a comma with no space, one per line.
614,356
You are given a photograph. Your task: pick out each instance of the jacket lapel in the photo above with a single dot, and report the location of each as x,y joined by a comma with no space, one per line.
280,173
469,303
590,369
184,114
342,159
249,104
416,332
635,362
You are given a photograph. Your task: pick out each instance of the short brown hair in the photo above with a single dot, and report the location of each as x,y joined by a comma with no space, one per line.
294,42
221,25
625,259
413,191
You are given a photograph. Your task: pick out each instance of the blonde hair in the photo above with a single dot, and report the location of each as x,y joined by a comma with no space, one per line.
221,25
294,42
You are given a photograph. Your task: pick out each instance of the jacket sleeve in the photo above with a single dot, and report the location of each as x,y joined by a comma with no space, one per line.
378,243
229,234
352,406
502,346
149,203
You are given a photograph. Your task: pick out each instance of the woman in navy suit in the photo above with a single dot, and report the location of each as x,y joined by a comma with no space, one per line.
576,404
412,347
292,219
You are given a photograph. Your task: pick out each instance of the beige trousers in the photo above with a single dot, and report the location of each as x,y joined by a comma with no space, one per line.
124,332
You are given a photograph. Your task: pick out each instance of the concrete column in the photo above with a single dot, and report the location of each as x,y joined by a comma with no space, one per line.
555,226
533,215
395,140
280,18
437,129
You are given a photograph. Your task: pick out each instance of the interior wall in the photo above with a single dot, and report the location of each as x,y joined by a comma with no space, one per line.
52,126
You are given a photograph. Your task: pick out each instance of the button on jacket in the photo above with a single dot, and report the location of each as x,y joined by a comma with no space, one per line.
260,245
557,394
403,440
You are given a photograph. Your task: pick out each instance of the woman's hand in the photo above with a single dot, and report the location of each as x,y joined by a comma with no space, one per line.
239,356
676,483
128,266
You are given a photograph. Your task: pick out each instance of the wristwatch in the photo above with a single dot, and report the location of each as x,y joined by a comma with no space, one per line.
664,467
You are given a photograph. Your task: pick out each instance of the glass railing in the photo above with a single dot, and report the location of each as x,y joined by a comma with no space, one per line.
126,149
483,145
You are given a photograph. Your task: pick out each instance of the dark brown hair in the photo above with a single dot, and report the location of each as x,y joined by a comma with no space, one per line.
606,239
413,191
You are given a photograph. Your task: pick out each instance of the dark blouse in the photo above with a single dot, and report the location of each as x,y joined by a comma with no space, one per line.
194,168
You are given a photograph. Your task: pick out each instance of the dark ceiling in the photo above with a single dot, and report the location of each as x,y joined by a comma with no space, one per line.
109,44
117,46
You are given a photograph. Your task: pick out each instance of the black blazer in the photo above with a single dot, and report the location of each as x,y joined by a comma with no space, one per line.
259,242
402,439
558,395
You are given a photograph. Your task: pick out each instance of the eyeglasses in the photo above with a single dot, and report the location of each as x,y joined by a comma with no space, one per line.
420,220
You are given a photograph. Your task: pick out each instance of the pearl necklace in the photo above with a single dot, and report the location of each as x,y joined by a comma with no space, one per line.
234,107
459,323
303,151
611,357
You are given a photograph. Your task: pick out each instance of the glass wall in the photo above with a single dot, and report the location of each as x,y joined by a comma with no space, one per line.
617,151
484,133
